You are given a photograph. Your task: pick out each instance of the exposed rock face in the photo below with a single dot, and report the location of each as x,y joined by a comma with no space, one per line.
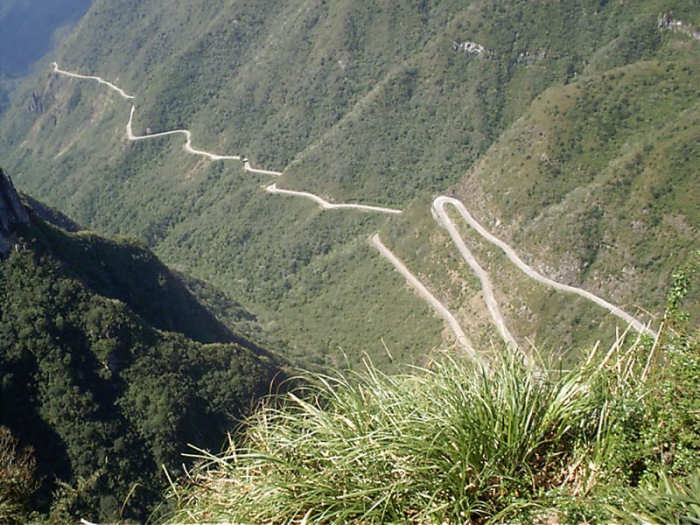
666,21
36,104
471,48
12,212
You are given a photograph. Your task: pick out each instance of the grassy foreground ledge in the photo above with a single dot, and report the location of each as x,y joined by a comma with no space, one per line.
617,439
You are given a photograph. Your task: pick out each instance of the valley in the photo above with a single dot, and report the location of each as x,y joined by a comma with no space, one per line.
351,261
366,135
108,366
438,208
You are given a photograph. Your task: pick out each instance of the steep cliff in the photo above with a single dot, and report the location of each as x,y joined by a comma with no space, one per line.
386,104
105,370
12,212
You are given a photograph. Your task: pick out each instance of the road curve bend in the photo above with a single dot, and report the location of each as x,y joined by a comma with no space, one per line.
188,142
439,208
443,219
248,167
101,80
425,294
272,188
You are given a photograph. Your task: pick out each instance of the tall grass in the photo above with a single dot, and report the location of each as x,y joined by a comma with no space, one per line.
454,442
671,503
615,438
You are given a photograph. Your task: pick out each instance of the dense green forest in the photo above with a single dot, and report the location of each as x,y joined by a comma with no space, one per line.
105,373
381,104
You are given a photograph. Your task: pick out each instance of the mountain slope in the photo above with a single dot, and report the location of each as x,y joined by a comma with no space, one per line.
382,104
26,29
595,186
27,33
103,397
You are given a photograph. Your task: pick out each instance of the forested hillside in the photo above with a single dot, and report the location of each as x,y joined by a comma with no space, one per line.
568,129
595,184
96,379
549,119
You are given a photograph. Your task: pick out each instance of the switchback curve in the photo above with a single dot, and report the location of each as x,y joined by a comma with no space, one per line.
489,297
438,213
439,207
188,143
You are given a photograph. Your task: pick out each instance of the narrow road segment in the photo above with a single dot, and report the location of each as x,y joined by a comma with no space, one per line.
439,213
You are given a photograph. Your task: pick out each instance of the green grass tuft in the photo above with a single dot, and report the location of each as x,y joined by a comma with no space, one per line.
453,442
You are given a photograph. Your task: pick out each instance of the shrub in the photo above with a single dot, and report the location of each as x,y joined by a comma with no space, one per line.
17,479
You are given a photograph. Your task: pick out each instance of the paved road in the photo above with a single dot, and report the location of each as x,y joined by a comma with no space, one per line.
96,79
486,286
440,308
188,143
248,167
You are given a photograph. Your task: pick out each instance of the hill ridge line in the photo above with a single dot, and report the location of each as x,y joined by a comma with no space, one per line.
438,213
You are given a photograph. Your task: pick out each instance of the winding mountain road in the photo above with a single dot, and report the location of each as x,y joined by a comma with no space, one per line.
440,308
272,188
489,297
100,80
248,167
188,143
440,215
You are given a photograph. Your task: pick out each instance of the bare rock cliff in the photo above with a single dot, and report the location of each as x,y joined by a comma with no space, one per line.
12,212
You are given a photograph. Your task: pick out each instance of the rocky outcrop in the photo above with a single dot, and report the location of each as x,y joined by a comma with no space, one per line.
36,104
12,212
667,22
471,48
